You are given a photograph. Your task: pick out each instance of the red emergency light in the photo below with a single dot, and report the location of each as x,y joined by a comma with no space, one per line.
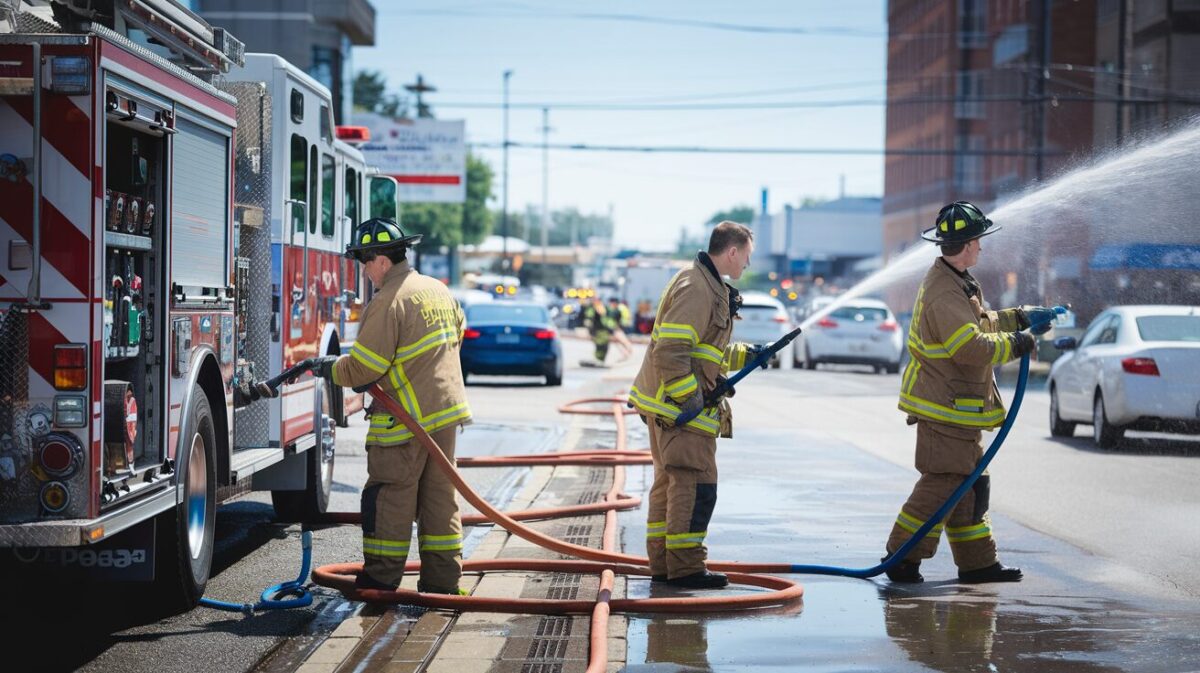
353,134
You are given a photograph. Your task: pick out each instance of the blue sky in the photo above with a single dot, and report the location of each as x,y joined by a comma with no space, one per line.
574,52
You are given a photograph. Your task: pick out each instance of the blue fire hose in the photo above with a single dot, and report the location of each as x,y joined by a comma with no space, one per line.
761,358
902,552
272,597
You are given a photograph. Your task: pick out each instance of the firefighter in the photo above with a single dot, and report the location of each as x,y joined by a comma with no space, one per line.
949,392
409,343
600,326
622,321
689,350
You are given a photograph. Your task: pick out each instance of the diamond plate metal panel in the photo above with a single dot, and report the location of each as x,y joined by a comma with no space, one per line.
252,210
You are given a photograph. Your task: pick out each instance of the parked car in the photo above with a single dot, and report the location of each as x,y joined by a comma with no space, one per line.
861,331
1135,368
764,320
511,338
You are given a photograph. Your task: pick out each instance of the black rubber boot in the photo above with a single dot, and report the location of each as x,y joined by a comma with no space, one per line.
905,572
365,581
658,578
427,589
992,573
701,580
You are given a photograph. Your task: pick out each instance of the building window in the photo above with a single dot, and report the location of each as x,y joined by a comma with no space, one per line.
968,94
972,24
1012,43
324,65
968,164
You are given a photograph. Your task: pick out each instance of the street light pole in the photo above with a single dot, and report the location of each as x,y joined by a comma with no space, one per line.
545,187
504,204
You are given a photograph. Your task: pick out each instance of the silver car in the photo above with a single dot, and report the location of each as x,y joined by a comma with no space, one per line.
861,331
763,320
1135,368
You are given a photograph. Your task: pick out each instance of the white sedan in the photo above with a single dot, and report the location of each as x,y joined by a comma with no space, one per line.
1135,368
860,331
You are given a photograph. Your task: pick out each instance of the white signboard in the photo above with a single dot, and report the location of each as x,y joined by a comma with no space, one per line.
427,157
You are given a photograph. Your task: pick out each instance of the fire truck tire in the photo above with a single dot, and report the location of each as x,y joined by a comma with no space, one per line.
185,534
313,501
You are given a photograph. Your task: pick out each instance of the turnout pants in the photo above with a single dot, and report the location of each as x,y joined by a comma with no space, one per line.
945,456
601,343
403,486
681,500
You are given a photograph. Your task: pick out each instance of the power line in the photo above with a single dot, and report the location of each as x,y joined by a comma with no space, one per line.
698,149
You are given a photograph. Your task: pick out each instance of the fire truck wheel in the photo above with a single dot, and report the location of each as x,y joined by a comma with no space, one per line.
310,503
185,534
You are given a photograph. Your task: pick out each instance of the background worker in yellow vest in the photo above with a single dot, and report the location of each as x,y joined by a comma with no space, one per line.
409,343
688,352
949,391
600,326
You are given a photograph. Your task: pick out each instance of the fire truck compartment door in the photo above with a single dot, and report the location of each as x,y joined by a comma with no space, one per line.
200,206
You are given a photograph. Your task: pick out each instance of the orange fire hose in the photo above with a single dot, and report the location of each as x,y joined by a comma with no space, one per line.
606,560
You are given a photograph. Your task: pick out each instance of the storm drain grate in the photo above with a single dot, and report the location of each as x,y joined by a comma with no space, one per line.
589,496
542,668
548,648
554,627
563,587
578,534
596,477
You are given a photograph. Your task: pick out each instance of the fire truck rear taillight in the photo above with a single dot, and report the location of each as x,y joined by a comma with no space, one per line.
55,497
71,75
70,366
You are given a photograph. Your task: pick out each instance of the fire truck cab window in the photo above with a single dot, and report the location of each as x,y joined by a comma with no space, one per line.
328,177
297,106
314,186
326,124
299,170
351,198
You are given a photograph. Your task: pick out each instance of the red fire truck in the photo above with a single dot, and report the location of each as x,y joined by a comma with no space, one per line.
167,240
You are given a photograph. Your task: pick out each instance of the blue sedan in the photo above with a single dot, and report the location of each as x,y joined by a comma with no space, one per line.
511,338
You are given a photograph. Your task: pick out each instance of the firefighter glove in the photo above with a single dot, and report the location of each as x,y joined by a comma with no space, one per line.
693,404
1036,319
754,350
1023,343
730,392
322,367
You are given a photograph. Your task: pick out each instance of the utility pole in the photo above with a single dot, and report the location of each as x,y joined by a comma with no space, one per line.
1042,75
421,88
545,186
504,204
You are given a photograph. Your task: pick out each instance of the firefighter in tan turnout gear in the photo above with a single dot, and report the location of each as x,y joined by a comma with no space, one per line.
689,350
408,343
949,391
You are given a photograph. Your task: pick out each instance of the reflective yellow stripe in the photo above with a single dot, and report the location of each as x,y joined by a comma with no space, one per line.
686,540
379,547
920,407
368,359
656,529
385,429
734,357
683,387
912,524
969,533
426,343
708,420
968,403
708,352
450,542
673,330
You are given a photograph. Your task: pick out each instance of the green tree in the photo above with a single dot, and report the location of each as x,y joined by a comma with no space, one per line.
477,220
370,95
739,213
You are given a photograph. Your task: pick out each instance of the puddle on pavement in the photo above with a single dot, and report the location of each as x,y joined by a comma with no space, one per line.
814,501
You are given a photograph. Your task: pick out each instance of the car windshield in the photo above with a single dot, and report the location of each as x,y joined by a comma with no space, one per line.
507,313
860,313
759,307
1169,327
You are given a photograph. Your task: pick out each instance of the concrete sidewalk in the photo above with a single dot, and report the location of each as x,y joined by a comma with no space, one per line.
405,639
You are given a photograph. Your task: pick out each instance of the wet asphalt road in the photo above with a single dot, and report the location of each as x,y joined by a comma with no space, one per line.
819,464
